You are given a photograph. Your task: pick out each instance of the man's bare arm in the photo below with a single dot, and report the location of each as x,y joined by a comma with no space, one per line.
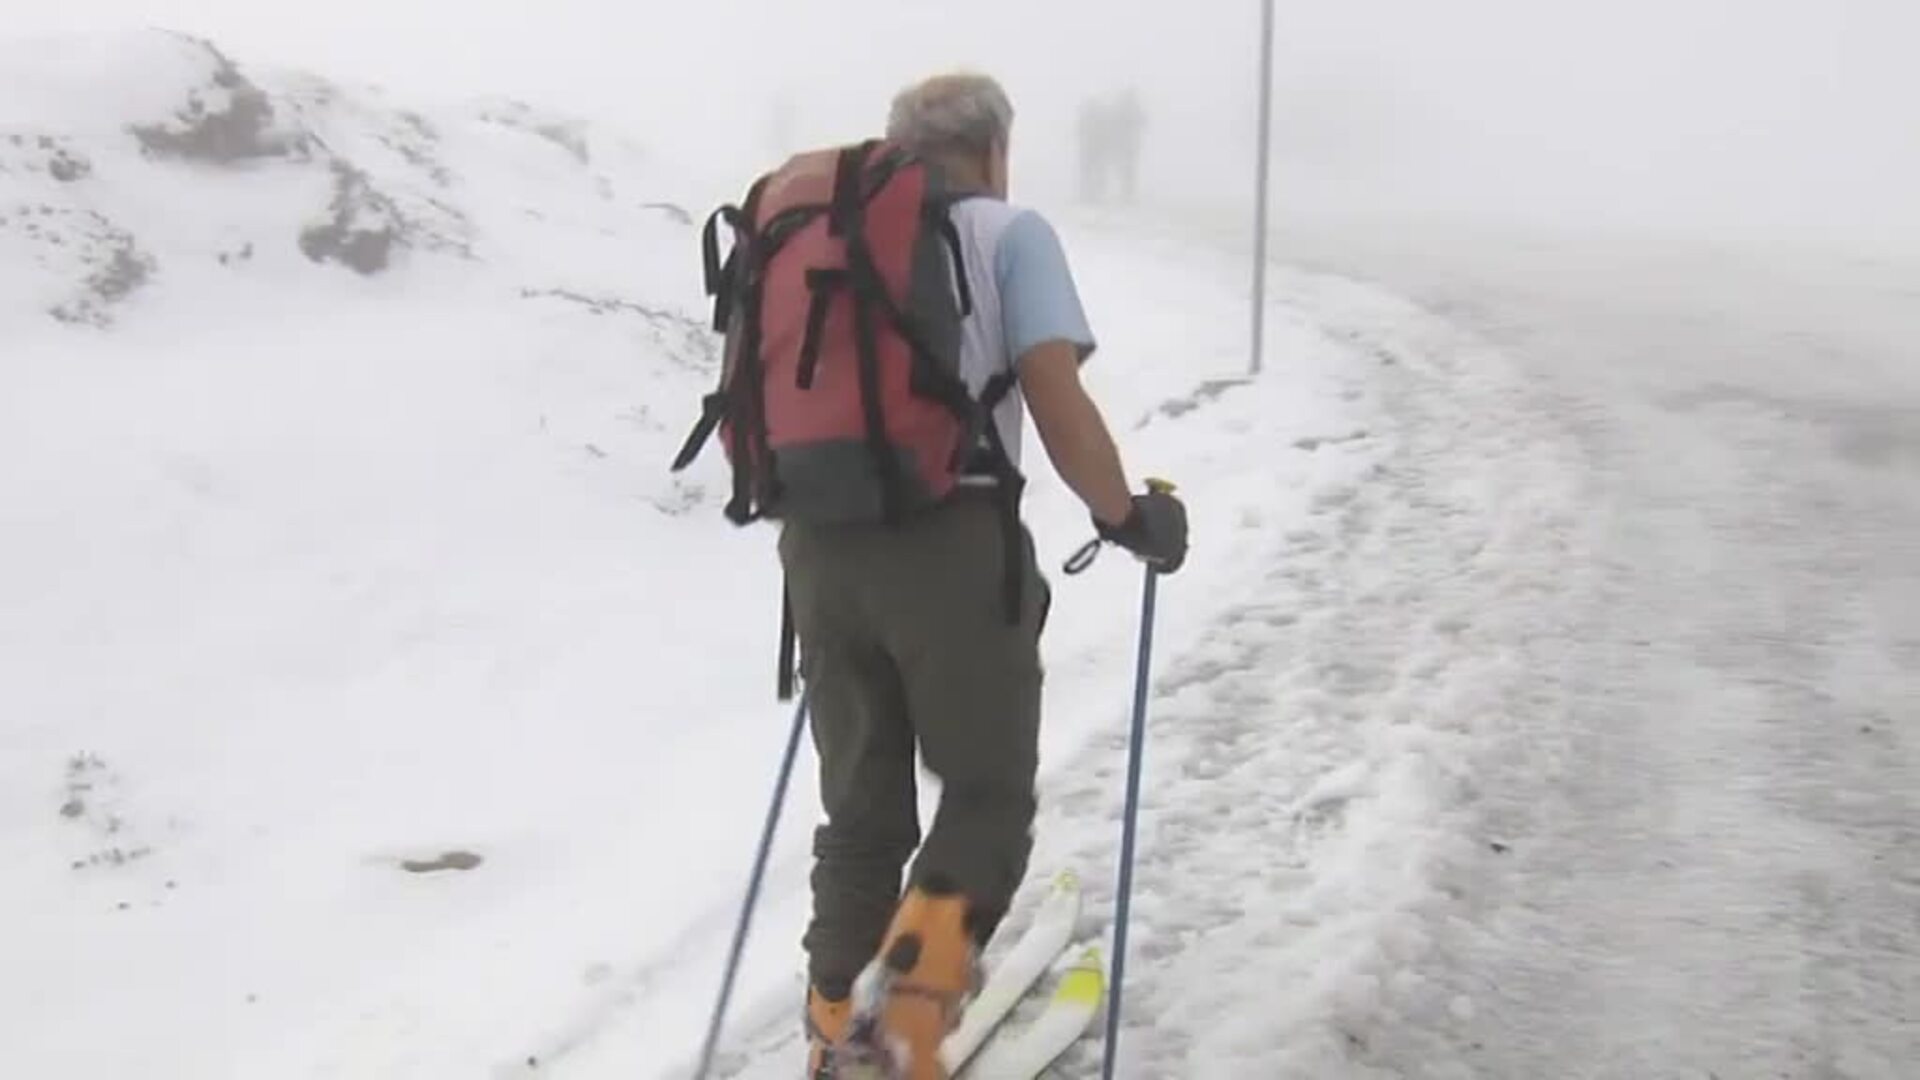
1072,430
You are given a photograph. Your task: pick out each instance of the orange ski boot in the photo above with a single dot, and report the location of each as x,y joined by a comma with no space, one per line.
928,971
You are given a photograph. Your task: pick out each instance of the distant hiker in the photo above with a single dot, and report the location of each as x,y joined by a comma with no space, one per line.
883,304
1126,123
781,120
1094,145
1110,130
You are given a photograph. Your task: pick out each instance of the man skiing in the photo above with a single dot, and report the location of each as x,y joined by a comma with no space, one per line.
907,648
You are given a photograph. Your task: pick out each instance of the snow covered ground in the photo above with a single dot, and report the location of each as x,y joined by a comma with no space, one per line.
375,704
311,574
1538,700
1710,845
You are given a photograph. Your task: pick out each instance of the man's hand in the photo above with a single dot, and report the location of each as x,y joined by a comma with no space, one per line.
1155,529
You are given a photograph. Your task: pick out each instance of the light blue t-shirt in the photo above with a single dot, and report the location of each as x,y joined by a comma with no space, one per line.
1023,295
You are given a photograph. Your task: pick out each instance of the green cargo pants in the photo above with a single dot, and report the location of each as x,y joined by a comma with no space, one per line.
906,645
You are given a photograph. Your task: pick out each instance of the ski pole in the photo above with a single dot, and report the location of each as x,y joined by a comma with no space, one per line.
753,892
1136,745
1136,748
1123,901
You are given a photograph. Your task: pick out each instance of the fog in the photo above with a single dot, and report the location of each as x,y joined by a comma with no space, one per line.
1783,118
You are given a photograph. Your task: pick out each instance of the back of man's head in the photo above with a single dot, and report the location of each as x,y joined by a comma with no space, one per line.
951,115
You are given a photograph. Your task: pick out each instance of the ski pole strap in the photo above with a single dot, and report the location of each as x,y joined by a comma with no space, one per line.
1084,557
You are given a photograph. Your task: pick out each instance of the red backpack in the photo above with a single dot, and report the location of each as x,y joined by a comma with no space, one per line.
840,396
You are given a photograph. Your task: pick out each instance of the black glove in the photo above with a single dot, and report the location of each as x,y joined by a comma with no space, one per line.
1155,530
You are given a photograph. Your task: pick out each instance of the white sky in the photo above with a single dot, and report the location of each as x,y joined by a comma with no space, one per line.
1786,112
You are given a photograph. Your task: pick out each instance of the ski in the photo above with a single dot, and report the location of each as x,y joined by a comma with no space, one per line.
1024,1053
1049,935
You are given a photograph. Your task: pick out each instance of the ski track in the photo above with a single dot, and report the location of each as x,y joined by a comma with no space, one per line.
1711,862
589,1023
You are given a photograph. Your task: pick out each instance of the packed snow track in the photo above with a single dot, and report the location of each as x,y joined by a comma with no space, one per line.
1701,851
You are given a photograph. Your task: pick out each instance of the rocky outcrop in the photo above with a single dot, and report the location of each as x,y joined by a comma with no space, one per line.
566,134
49,155
229,121
126,160
91,264
361,228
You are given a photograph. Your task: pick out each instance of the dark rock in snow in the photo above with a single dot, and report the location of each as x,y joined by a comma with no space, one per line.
450,860
361,228
49,154
119,268
240,128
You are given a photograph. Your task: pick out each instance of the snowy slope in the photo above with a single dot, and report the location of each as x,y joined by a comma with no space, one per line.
372,702
311,572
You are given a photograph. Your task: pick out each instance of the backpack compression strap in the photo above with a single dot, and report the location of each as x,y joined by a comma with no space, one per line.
847,219
1007,493
721,283
736,286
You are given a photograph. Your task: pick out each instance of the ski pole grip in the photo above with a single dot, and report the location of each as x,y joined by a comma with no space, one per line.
1083,558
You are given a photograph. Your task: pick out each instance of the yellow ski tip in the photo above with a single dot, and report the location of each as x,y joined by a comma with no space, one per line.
1086,980
1066,880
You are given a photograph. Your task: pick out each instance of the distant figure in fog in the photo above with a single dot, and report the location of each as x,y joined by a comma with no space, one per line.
1127,119
1092,145
1110,130
780,125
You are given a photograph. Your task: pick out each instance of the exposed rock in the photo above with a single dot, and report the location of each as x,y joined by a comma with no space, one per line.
566,134
92,803
416,144
106,259
49,155
361,228
677,335
672,210
127,269
230,122
449,860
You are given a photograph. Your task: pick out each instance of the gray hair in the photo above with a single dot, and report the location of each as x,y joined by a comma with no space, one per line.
963,113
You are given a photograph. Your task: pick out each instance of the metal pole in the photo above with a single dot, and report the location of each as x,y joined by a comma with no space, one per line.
1123,901
760,858
1260,182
